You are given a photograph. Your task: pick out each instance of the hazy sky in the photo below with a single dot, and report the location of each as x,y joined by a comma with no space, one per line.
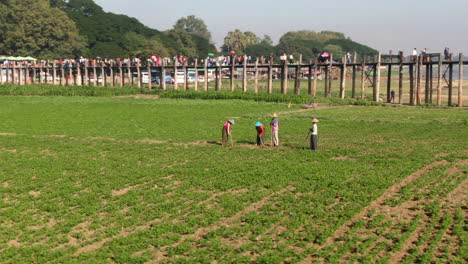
381,24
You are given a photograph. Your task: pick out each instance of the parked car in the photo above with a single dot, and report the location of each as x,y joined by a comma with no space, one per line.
155,77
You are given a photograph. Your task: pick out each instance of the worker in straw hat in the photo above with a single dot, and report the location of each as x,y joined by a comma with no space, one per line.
274,130
314,135
227,131
260,133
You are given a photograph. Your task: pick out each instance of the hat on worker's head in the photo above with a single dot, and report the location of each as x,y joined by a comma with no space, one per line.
315,120
231,121
274,115
258,124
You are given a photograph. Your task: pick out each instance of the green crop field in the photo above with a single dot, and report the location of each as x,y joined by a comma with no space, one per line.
145,180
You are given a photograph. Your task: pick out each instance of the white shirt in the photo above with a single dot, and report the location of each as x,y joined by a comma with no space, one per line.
314,129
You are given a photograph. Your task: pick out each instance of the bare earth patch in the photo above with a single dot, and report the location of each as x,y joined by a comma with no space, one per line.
379,207
161,253
342,158
124,190
35,193
14,243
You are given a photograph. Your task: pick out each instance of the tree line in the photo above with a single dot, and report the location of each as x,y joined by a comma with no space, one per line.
51,29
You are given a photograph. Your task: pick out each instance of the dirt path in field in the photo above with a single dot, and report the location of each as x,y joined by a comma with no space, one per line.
457,197
377,205
161,254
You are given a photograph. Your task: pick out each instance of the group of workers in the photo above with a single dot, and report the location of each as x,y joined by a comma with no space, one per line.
274,125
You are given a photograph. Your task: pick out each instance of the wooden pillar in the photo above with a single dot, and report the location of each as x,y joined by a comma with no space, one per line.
217,77
150,77
431,82
297,80
112,74
122,77
325,83
450,85
316,70
41,79
419,80
411,76
309,78
185,70
256,76
363,79
54,73
162,77
426,83
232,73
353,85
67,75
1,74
330,77
195,87
400,79
270,77
439,81
95,77
284,76
47,73
26,74
18,78
70,73
389,82
63,79
137,65
84,78
353,88
34,68
103,75
129,73
244,75
138,74
460,81
343,78
377,78
205,68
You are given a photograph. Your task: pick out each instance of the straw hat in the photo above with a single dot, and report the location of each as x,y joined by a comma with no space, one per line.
274,115
231,121
315,120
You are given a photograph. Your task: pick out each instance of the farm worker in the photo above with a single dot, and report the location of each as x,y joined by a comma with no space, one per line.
274,130
314,135
260,133
227,130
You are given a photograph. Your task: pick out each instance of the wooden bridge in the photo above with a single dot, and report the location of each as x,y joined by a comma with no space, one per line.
370,71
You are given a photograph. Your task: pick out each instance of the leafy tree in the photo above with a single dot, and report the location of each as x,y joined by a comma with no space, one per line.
267,40
194,25
185,43
336,50
33,28
239,41
308,48
349,45
260,49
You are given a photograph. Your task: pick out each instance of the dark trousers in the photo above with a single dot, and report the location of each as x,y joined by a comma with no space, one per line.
225,136
314,142
260,140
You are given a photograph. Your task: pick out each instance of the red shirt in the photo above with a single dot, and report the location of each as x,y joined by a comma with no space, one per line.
261,130
227,125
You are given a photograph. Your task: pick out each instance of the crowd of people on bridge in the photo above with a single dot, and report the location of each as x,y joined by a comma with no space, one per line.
211,60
